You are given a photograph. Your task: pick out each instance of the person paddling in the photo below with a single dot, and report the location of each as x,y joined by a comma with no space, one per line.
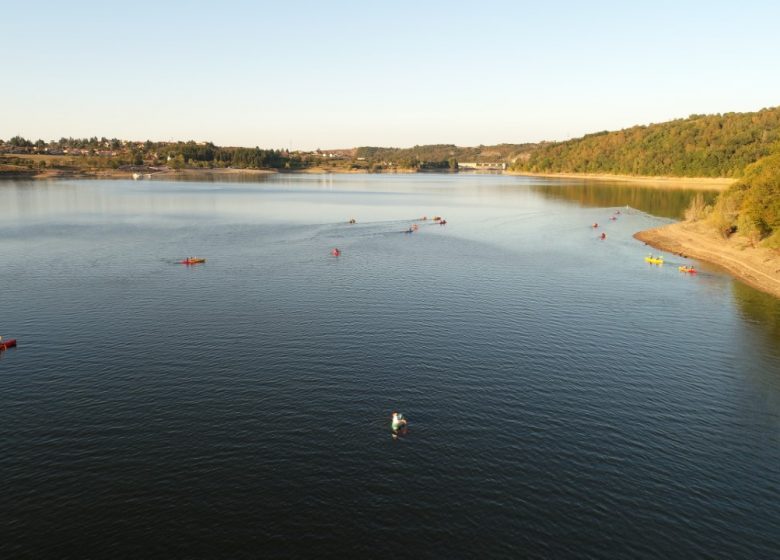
398,421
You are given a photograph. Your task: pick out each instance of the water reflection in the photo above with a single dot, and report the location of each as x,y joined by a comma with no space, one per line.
210,177
759,308
663,202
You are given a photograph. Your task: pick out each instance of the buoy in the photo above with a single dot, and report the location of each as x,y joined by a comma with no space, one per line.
335,252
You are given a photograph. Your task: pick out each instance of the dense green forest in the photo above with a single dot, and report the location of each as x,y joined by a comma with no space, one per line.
751,206
699,146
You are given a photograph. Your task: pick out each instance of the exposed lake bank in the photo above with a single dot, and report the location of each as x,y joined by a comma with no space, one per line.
18,172
703,183
12,172
107,173
756,266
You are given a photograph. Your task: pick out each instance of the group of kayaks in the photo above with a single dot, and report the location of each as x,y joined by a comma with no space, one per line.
613,217
438,219
336,252
411,229
652,259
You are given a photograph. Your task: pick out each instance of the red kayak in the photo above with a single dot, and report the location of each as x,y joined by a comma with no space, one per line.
193,261
11,342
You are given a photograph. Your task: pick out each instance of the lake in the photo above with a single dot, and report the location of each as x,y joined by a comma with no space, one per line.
565,398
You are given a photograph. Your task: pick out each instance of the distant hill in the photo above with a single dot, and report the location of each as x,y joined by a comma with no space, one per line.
699,146
443,153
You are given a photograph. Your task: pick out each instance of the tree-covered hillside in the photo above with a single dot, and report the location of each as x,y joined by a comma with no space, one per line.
751,207
699,146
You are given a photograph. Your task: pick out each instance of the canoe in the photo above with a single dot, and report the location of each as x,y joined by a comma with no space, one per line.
193,261
686,269
11,342
654,261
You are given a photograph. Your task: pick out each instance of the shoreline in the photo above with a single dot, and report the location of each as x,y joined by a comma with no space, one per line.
206,171
44,174
692,183
164,173
697,183
758,267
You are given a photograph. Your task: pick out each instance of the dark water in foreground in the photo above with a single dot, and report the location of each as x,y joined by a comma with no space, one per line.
565,398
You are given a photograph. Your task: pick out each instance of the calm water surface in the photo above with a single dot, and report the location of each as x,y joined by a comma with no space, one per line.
566,400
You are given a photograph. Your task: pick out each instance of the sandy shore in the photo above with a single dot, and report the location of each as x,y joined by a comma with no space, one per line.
164,173
21,173
698,183
758,267
65,174
195,172
347,171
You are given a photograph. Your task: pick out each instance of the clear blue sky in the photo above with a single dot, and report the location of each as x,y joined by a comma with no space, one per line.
331,74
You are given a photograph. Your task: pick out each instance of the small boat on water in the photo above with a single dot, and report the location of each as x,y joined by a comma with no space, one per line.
688,269
193,260
5,344
654,260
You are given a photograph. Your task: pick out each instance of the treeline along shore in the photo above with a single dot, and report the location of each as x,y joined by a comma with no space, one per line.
736,153
113,157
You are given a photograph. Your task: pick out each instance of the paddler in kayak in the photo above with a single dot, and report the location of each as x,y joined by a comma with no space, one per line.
398,421
336,252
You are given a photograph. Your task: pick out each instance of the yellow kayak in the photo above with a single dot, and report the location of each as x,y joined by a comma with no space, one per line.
654,260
